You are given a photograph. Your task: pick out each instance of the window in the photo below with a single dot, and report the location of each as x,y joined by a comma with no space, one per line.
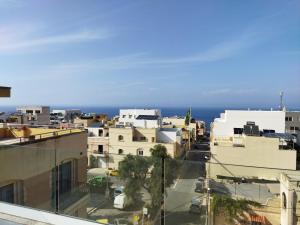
153,139
143,138
124,116
288,118
238,130
37,111
65,176
121,138
140,152
283,200
294,128
130,116
29,111
100,133
120,152
100,149
7,193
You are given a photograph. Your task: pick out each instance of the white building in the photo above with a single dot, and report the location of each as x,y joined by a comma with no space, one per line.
270,120
142,118
251,144
36,115
67,115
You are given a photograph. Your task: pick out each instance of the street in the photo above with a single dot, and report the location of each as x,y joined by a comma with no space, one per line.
179,196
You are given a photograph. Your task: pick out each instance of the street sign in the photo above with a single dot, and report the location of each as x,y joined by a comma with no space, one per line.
145,211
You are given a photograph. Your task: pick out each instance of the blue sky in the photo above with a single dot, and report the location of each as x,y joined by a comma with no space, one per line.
158,53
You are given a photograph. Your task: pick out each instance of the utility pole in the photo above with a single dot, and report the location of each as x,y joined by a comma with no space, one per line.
281,101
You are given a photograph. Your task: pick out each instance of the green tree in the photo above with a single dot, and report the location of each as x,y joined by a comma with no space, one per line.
231,208
134,169
145,172
164,167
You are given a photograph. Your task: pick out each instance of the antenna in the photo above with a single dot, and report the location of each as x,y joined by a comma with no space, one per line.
281,101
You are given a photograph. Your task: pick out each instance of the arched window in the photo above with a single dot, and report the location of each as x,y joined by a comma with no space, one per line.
121,138
284,200
121,151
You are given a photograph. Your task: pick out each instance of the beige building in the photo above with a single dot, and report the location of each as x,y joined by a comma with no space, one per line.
139,141
98,145
250,157
44,168
290,194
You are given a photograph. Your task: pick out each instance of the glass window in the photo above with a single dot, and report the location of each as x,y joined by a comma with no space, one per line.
100,149
120,152
121,138
7,193
100,133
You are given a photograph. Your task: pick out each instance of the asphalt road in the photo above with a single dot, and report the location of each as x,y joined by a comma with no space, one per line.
178,200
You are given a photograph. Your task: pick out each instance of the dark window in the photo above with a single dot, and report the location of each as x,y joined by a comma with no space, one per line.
121,151
121,138
100,133
238,130
143,138
7,193
37,111
140,152
288,118
284,200
65,178
29,111
100,149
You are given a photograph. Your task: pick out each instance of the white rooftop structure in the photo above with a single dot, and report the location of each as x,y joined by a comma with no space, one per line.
142,118
270,120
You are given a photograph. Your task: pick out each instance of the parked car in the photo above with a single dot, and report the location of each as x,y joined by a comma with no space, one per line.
121,201
197,205
112,172
98,183
118,190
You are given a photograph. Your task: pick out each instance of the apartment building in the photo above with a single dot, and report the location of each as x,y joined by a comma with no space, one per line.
44,168
251,144
35,115
87,119
64,115
292,122
139,141
194,130
142,118
98,145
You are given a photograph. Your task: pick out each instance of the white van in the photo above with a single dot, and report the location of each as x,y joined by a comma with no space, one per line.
120,201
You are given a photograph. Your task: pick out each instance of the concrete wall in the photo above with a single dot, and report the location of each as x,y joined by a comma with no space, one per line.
31,164
223,127
260,157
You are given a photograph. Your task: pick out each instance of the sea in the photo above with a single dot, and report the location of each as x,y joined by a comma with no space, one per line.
199,113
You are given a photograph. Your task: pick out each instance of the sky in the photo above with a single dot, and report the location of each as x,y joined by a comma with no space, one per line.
150,52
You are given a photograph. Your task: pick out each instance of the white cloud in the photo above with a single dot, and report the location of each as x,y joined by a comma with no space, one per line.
20,38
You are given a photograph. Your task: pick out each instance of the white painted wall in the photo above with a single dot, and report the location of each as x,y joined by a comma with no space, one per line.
170,135
128,117
223,126
147,123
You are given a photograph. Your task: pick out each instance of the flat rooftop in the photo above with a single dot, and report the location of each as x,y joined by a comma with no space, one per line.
20,135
